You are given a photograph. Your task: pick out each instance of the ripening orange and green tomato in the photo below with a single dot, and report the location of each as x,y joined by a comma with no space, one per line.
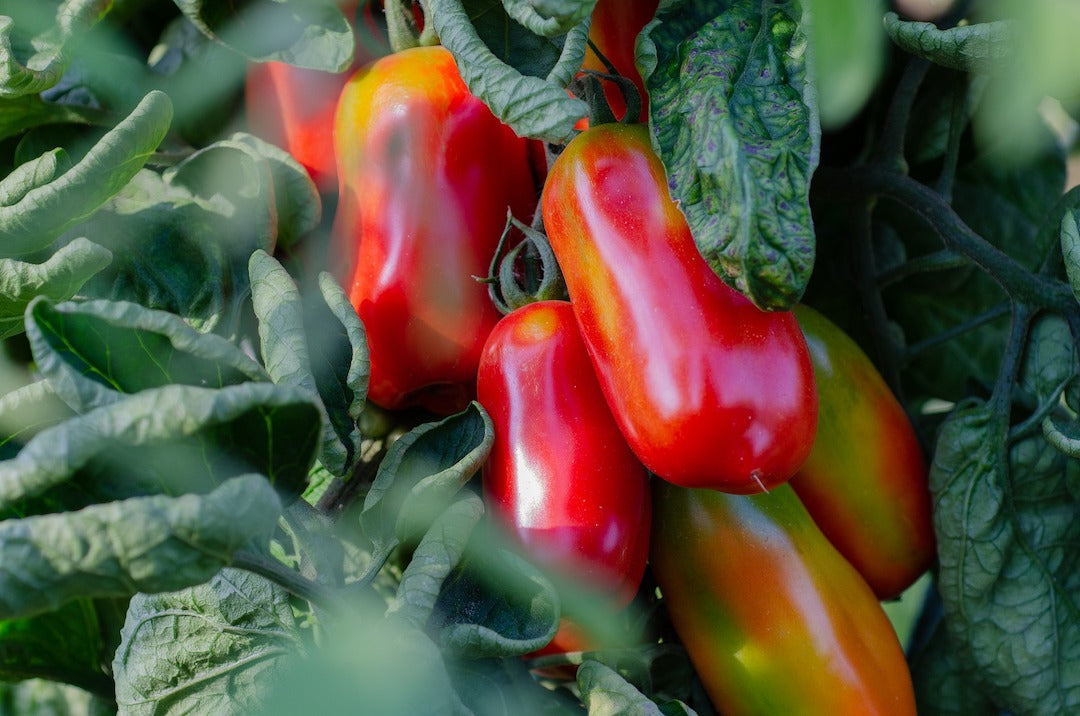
774,619
426,174
709,390
560,478
866,480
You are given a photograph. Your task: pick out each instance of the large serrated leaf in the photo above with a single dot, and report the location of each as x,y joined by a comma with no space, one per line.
63,645
498,59
173,439
58,201
149,544
30,65
96,351
981,47
59,278
304,33
1007,520
422,473
316,347
214,648
734,119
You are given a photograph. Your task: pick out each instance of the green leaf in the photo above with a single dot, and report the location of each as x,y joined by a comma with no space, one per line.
606,693
95,352
980,47
33,216
298,205
26,411
522,77
944,686
496,604
438,554
30,65
214,648
63,645
148,544
734,119
50,698
308,34
1007,520
173,439
59,278
549,18
318,346
421,474
22,113
505,686
1070,248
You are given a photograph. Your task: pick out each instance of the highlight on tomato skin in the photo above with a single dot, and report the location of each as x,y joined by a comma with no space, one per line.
426,174
866,482
560,478
708,390
774,619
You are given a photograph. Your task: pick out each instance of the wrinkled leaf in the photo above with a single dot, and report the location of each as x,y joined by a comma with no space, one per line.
981,47
95,352
63,645
315,346
34,213
23,113
421,474
496,604
146,544
59,277
734,119
26,411
213,648
606,693
308,34
173,439
530,98
30,65
549,18
1006,522
944,686
438,554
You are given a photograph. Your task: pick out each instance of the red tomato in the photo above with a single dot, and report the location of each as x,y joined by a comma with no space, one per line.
709,390
560,477
866,482
426,174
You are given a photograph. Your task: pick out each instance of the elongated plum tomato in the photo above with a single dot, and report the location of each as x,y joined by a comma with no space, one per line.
426,174
775,621
865,482
560,477
709,390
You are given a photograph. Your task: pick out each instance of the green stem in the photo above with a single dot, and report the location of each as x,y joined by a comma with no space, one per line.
971,324
938,261
957,123
1018,282
890,150
292,581
865,270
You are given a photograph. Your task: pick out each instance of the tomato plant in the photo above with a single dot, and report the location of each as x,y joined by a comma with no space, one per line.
240,466
709,390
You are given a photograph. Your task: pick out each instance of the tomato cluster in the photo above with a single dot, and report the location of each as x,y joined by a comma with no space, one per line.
655,417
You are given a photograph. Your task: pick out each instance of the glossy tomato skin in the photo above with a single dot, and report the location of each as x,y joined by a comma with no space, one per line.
866,480
560,478
614,30
426,174
709,390
775,621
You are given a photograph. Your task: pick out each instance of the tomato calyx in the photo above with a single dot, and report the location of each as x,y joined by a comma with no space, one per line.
527,273
589,86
